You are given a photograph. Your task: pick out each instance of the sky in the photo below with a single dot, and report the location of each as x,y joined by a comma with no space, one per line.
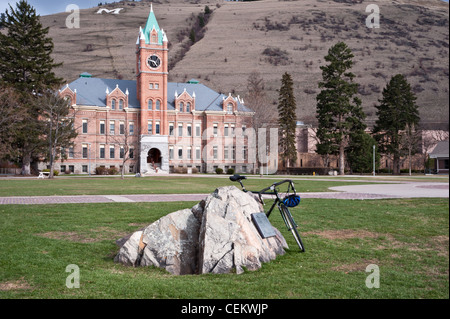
45,7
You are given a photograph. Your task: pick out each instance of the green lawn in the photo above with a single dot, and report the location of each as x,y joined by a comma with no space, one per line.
406,238
147,185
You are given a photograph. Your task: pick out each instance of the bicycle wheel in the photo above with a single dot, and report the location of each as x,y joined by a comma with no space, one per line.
291,225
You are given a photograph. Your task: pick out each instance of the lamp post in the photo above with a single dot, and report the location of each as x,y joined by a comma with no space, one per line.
374,160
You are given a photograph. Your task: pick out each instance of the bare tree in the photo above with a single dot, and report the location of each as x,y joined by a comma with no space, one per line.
58,120
127,145
258,102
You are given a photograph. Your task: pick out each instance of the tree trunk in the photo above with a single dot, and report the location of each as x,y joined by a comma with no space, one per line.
396,165
341,160
26,162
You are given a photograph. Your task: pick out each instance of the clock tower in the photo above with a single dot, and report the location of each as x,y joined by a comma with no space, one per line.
152,74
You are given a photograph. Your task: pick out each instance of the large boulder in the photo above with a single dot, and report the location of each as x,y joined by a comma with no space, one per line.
215,236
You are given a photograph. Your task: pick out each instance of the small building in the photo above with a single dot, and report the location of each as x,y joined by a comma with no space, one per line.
440,153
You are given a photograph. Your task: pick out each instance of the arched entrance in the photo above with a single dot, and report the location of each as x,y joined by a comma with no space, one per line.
154,156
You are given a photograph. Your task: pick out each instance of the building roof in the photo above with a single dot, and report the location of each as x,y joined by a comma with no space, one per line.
441,150
92,92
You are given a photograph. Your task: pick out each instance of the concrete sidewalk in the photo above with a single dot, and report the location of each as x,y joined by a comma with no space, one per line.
361,192
403,190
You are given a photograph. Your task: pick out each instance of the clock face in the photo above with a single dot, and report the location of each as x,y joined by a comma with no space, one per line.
154,61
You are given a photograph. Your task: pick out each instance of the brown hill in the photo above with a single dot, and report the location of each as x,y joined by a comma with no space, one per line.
273,37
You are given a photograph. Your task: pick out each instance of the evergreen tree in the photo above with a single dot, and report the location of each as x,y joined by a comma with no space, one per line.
339,111
359,153
25,51
287,121
396,112
26,65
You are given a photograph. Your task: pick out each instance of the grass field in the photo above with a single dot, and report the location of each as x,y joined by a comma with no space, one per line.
148,185
406,238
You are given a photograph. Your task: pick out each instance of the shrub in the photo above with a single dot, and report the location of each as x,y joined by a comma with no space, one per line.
100,170
113,171
219,171
230,171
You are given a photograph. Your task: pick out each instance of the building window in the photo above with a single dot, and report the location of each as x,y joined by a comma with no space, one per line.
215,152
158,105
112,151
225,152
188,107
150,128
215,129
120,104
180,129
113,104
112,127
171,152
233,129
71,152
197,153
230,108
72,168
150,86
225,130
131,129
157,128
121,152
233,153
180,153
171,132
244,153
189,130
150,104
181,106
102,127
102,151
85,126
85,150
131,153
198,131
62,169
121,128
189,153
84,169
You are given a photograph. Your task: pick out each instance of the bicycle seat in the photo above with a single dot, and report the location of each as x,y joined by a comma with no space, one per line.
237,177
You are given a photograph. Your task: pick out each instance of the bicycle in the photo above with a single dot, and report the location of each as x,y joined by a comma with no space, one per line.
283,204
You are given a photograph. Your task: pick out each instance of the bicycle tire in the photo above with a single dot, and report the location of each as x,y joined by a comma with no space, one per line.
292,226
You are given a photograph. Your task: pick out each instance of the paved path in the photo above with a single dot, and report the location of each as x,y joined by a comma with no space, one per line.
371,191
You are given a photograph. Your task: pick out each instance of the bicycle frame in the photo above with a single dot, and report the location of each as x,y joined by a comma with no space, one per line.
278,202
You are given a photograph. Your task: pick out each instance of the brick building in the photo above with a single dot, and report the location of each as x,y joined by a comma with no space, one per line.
165,126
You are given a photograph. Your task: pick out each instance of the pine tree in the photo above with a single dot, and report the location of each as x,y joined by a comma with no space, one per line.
26,61
287,121
397,111
26,65
339,111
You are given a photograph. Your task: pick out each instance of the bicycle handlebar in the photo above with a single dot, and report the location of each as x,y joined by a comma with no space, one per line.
239,178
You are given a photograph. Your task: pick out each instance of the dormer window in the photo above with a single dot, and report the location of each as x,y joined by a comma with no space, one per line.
181,106
230,108
121,104
113,104
188,107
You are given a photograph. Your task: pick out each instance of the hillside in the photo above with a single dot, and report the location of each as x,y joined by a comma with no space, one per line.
273,37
